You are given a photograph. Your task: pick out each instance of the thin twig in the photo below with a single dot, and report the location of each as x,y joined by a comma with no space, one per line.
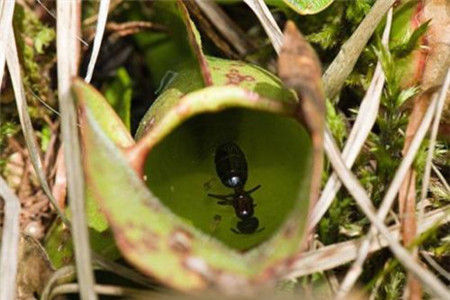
209,30
343,64
441,177
100,30
67,47
365,120
388,200
266,19
337,254
355,188
9,242
42,101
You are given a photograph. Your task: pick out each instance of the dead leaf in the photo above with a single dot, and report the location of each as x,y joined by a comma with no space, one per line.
34,268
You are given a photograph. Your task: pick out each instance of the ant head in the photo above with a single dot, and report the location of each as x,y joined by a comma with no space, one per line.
248,226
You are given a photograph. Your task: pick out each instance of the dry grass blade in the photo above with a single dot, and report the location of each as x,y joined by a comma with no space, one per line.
365,120
6,16
434,132
343,64
443,272
261,10
9,242
112,290
67,47
101,24
25,121
65,274
121,270
359,194
388,200
335,255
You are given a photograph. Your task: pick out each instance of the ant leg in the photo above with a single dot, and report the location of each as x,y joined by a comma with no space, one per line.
225,202
221,197
235,231
254,189
224,199
261,229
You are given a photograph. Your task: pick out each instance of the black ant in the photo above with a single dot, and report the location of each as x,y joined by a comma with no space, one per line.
231,167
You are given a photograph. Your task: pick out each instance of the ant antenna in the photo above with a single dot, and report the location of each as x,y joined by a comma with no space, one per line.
254,189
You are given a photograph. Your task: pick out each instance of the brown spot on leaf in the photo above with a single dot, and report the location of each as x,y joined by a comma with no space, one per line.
235,78
181,241
290,229
153,206
130,225
237,64
121,240
150,240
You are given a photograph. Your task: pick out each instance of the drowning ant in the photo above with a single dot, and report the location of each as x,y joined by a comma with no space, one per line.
231,167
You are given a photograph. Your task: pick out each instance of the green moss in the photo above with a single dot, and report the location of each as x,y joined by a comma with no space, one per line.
37,57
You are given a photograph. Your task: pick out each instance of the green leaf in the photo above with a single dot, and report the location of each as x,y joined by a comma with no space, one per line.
167,226
336,123
43,38
405,38
407,94
119,93
308,7
411,41
58,242
179,46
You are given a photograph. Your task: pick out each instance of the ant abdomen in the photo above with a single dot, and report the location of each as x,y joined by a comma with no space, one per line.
231,165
